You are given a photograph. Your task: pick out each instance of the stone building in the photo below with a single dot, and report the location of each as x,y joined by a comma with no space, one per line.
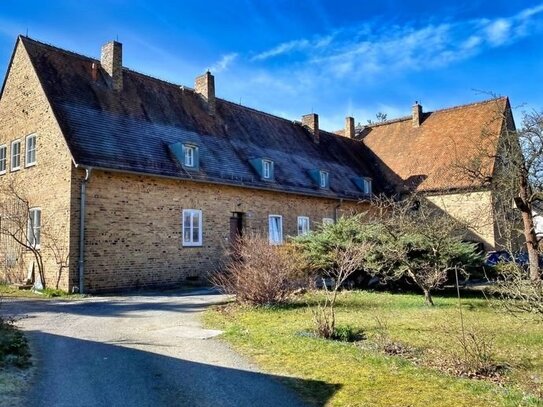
135,182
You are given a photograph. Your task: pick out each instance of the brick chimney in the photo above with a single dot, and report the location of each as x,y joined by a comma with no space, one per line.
112,62
349,127
205,86
417,114
311,122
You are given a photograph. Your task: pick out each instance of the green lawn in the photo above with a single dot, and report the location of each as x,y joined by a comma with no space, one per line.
343,374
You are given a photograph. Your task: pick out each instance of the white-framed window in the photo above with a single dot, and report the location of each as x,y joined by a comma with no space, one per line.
367,186
275,229
15,155
30,150
3,159
327,221
323,179
303,225
190,152
34,228
266,169
192,227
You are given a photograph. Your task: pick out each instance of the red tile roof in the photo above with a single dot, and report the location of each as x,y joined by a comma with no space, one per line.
427,158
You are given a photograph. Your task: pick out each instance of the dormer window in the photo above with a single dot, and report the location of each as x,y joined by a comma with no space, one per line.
267,169
189,153
323,179
264,167
367,186
363,184
186,154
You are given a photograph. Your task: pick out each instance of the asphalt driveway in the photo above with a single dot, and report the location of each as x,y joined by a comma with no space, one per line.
139,350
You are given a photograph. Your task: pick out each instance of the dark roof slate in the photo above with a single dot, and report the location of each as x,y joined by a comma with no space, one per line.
130,130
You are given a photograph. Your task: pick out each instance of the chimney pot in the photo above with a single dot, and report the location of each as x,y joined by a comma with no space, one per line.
417,114
204,85
311,122
349,127
112,62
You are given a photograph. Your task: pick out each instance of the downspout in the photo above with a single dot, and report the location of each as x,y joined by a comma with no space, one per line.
82,229
336,210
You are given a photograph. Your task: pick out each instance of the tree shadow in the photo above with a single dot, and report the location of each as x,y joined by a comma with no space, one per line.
110,306
75,372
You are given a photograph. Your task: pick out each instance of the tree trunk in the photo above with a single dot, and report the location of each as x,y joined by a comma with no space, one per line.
428,297
525,206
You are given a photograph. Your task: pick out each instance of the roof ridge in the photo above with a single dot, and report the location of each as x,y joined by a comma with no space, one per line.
63,50
445,109
167,82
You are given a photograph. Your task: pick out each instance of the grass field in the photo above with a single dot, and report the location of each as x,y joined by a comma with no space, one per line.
360,374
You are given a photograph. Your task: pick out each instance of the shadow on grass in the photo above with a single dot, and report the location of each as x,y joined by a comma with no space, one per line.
76,372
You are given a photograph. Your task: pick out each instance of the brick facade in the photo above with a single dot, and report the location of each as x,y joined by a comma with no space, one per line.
24,110
133,228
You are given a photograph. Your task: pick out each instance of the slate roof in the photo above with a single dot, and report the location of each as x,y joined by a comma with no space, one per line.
429,158
131,130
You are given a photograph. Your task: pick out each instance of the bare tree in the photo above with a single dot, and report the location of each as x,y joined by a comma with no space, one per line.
21,225
516,176
348,258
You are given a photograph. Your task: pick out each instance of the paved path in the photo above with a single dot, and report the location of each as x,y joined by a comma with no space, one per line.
135,351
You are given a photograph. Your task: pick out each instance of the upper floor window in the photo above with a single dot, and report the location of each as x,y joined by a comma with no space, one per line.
34,228
3,159
30,158
323,180
363,184
267,169
303,225
275,229
15,155
190,155
192,227
367,186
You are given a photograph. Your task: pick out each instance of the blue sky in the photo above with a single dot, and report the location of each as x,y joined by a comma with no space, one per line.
334,58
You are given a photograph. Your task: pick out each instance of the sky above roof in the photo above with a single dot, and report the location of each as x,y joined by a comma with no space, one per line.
335,58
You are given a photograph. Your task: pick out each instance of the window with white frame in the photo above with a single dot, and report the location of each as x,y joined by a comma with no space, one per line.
34,227
303,225
190,152
327,221
367,186
323,179
30,151
3,159
275,229
192,227
266,169
15,155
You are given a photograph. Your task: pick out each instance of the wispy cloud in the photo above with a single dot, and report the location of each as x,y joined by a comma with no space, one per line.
223,63
374,48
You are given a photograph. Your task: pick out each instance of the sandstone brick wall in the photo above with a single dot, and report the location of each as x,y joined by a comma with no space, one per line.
133,227
475,209
24,110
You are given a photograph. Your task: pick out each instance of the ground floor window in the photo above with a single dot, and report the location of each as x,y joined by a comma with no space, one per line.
327,221
303,225
34,228
275,229
192,227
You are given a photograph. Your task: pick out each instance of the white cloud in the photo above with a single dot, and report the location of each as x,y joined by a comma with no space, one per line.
373,48
223,63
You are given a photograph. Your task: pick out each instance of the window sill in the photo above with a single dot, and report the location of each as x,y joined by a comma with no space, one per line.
15,169
192,245
30,165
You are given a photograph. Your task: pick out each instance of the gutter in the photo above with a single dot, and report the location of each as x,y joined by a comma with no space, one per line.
82,229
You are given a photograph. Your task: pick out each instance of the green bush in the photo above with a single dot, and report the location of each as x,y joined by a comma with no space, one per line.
348,333
13,346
